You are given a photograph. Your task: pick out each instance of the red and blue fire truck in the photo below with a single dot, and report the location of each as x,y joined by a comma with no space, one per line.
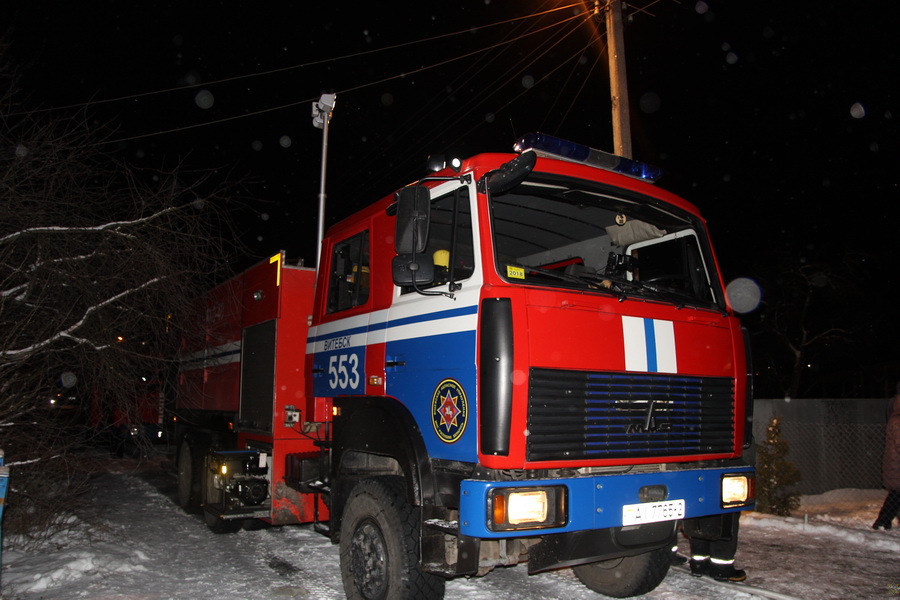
520,357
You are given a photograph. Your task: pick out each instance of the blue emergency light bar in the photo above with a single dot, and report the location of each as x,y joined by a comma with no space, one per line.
554,147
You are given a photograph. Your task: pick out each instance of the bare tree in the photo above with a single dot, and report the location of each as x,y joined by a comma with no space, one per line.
805,322
95,258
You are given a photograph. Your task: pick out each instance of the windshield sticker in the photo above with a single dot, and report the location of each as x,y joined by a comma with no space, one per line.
515,272
449,411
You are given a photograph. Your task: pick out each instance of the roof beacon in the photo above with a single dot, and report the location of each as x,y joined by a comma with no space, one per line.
554,147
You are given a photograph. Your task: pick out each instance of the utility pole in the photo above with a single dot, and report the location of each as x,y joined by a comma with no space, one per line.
618,80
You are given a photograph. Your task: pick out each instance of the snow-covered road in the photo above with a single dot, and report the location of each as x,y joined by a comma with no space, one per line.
134,543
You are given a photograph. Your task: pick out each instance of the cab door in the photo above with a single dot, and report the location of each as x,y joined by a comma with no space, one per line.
339,341
431,333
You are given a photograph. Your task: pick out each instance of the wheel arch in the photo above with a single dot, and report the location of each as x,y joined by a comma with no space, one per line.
376,436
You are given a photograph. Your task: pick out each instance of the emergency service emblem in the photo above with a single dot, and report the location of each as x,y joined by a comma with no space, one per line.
449,411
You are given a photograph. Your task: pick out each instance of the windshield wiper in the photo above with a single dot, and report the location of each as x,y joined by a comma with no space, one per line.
684,297
593,281
555,274
679,297
616,285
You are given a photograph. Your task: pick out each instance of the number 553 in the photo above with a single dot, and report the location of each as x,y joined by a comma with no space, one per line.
343,371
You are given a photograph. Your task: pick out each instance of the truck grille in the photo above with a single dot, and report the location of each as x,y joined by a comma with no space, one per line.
595,415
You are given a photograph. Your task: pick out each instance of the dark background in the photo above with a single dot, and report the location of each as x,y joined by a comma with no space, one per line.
775,118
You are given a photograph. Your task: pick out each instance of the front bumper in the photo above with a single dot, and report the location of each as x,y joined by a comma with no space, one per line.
596,502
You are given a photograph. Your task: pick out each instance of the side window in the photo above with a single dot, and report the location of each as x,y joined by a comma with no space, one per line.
348,285
450,244
675,262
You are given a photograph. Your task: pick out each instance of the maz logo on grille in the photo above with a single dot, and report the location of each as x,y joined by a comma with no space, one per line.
650,409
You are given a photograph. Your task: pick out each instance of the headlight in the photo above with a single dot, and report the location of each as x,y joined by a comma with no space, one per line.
738,489
527,508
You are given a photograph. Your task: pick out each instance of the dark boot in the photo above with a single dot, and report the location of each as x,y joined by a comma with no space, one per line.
699,567
726,572
889,510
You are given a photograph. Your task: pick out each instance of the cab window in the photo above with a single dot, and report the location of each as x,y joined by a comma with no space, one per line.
450,244
348,284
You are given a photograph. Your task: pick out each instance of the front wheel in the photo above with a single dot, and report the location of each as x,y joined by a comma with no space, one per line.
627,576
380,545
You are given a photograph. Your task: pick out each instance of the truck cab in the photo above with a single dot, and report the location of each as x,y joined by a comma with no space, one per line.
525,356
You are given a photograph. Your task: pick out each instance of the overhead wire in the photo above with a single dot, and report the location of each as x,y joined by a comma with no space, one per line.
379,81
298,66
423,114
574,96
597,36
462,78
536,53
460,115
446,61
527,90
484,57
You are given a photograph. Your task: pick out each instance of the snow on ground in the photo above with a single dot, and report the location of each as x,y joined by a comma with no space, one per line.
134,543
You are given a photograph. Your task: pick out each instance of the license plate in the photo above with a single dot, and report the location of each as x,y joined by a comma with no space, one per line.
652,512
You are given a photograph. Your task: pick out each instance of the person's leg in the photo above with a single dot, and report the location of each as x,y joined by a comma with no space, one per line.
700,555
713,546
722,551
889,510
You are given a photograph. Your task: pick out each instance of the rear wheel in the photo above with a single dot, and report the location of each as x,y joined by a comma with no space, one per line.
189,468
627,576
380,545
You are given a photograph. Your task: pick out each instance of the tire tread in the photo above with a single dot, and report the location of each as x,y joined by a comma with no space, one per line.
397,511
633,576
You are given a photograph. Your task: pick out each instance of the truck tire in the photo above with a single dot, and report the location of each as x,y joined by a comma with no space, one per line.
380,545
190,466
628,576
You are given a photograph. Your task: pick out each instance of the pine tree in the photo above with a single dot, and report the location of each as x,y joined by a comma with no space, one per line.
775,474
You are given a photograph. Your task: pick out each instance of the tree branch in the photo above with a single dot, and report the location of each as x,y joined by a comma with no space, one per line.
69,331
103,227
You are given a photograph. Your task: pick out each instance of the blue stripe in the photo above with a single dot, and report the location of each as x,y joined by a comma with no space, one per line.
328,336
650,338
444,314
424,318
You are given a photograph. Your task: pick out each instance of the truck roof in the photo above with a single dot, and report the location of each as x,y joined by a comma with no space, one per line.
481,164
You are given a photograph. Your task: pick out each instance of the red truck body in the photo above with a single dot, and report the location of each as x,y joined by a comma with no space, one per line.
543,335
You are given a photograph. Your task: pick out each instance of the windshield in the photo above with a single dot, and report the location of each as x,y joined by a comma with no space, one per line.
561,232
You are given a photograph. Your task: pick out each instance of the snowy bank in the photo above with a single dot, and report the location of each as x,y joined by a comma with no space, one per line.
132,542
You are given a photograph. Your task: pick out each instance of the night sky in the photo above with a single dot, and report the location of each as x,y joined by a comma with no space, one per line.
776,118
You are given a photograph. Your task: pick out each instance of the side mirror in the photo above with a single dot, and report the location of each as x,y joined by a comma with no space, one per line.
413,216
412,269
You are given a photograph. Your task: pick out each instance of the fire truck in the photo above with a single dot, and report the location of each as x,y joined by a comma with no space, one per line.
519,357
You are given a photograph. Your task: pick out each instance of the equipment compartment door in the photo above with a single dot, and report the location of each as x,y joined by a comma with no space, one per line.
258,377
